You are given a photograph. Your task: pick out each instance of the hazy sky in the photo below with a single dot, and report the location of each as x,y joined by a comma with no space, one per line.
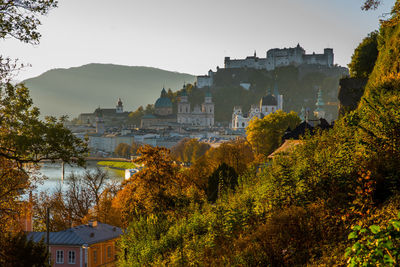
190,36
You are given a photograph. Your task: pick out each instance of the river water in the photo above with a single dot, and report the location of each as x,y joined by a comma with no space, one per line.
53,173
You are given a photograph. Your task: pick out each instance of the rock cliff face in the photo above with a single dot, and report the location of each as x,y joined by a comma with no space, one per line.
350,92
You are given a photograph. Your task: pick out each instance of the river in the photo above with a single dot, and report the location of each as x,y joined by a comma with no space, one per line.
52,172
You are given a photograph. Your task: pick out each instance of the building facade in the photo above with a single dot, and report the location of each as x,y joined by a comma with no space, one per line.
282,57
87,245
163,115
200,116
275,58
268,104
106,115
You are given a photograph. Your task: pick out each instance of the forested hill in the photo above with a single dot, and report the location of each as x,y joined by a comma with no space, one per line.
82,89
298,85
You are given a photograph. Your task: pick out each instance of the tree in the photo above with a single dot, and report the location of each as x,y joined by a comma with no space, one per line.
364,57
60,215
189,150
136,116
134,148
87,198
220,181
371,4
123,150
265,134
19,20
237,154
84,192
24,140
17,251
155,189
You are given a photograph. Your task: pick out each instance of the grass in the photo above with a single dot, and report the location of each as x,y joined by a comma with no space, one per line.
117,164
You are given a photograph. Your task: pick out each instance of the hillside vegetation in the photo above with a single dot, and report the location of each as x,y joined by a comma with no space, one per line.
298,85
331,201
82,89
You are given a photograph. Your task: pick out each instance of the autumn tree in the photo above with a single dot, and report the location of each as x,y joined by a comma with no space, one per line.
135,117
123,150
265,134
237,154
24,138
156,188
60,215
134,148
189,150
87,197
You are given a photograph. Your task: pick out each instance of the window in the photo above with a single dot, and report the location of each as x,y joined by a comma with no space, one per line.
71,257
109,252
94,256
60,256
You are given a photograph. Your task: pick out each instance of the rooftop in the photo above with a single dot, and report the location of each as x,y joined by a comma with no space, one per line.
91,233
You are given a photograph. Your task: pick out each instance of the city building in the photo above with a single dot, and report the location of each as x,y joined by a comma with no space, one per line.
199,117
109,116
319,112
282,57
90,245
269,103
163,115
277,57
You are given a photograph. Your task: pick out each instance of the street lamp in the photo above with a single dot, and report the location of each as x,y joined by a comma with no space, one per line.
85,247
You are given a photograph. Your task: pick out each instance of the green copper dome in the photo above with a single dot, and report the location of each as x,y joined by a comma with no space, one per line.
163,101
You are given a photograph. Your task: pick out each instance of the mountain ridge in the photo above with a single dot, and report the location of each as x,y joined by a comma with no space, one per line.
75,90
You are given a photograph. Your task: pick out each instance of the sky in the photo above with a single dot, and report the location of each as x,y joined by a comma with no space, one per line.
190,36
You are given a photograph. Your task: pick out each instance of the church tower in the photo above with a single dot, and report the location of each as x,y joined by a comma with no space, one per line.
119,107
208,109
319,112
183,107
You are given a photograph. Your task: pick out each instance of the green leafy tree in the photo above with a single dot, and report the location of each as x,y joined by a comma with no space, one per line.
20,20
17,251
265,134
375,245
364,57
224,178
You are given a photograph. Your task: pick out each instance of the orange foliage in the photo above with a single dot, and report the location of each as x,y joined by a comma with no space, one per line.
156,188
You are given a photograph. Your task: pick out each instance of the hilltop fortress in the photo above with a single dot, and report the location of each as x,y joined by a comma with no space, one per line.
275,58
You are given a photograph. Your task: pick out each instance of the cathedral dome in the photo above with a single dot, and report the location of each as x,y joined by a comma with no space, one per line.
163,101
269,100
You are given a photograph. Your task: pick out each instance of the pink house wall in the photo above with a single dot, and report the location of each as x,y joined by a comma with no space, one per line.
66,249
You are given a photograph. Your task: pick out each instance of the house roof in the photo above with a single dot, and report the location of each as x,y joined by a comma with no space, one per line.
79,235
286,147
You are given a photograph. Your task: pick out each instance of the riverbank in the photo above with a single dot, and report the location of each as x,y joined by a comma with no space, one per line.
118,167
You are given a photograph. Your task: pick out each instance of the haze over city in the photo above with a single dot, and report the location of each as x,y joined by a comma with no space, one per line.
190,36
